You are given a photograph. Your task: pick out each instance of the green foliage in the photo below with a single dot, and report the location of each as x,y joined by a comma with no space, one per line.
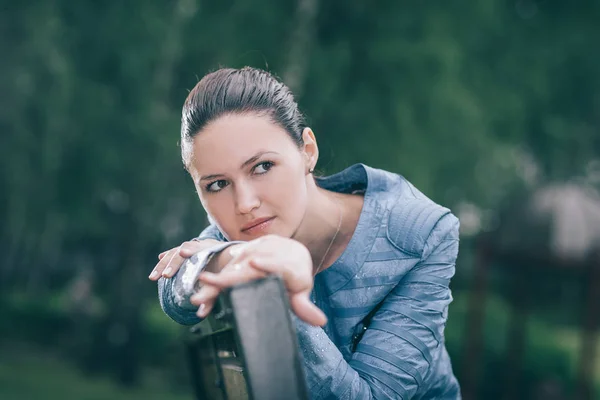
551,352
460,97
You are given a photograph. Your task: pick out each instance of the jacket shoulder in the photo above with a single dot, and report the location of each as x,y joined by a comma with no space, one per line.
412,218
212,232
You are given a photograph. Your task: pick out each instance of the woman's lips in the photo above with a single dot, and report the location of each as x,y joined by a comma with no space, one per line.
258,225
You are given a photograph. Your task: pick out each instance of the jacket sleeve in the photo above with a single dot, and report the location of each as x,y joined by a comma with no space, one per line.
402,348
174,293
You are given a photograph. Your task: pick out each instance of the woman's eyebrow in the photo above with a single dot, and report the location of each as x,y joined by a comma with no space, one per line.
210,177
244,164
255,158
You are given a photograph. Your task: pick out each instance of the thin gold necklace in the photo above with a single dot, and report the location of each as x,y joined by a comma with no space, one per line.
332,240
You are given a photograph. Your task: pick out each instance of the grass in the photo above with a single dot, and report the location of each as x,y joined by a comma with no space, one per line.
35,375
28,372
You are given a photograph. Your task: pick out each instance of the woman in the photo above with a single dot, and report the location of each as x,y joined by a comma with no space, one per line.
357,244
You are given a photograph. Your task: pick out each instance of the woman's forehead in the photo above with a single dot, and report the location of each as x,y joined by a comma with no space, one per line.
233,139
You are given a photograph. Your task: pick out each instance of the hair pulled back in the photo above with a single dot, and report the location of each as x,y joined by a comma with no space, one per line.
238,91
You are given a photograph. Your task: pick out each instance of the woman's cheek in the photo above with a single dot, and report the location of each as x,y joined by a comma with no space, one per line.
221,214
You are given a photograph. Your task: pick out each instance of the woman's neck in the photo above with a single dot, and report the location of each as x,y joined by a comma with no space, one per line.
327,226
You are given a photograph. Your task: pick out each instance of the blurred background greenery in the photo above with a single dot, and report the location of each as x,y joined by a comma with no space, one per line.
474,102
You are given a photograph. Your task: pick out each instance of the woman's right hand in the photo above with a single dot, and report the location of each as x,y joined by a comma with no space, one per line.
270,254
171,260
246,262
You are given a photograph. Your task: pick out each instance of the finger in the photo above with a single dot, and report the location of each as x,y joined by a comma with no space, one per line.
205,299
306,310
160,266
188,249
205,294
173,263
191,247
294,280
234,274
205,308
161,255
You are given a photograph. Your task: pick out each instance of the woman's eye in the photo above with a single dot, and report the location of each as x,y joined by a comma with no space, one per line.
216,185
263,167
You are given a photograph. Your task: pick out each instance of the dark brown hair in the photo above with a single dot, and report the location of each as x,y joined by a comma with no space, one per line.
239,91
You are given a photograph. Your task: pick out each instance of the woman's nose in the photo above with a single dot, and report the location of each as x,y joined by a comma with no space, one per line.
246,199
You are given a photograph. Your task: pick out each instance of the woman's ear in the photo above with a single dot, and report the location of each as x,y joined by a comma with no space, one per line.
310,149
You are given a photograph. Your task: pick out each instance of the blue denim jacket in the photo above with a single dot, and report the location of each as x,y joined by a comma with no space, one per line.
401,259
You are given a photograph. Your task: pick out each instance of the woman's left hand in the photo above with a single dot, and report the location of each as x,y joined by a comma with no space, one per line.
270,254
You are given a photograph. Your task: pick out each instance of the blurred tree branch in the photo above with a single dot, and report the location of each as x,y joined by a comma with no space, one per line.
303,33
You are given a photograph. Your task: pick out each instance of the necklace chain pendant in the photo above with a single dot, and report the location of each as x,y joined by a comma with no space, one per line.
333,239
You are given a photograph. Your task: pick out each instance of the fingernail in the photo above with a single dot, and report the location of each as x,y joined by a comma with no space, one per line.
153,274
201,310
167,271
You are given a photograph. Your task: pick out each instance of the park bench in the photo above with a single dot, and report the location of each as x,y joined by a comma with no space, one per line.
247,347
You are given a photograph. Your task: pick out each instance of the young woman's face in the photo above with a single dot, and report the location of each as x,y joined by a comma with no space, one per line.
250,176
